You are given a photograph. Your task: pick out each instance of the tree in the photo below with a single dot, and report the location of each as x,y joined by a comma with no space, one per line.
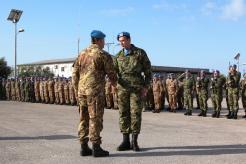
31,71
5,70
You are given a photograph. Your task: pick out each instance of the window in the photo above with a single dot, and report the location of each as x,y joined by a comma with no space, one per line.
62,69
56,66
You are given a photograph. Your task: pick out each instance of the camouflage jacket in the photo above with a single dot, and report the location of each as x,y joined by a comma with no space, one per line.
133,70
217,85
188,85
89,71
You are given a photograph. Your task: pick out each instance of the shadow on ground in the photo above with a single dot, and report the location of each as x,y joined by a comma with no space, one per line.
185,150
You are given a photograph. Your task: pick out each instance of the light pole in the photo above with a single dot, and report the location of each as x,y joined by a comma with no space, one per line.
14,16
108,45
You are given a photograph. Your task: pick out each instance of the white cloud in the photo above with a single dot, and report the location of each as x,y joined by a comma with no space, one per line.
234,10
118,12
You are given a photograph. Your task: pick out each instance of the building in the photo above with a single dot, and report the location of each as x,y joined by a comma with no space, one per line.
63,67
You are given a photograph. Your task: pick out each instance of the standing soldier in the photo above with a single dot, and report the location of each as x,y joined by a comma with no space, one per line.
13,95
46,91
41,89
167,97
189,87
3,89
57,101
172,88
17,89
217,85
8,89
108,93
26,90
157,92
243,88
22,89
163,94
31,90
61,91
232,81
71,93
51,90
36,89
134,75
89,72
202,87
66,91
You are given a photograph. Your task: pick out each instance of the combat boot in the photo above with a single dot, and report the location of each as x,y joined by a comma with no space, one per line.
204,113
235,115
229,113
97,151
186,113
218,114
214,114
230,116
190,113
125,145
201,114
135,146
244,116
85,150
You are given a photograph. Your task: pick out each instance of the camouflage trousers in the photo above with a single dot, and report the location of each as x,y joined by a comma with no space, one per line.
233,97
130,110
157,100
203,98
91,109
244,101
51,97
216,101
61,97
172,101
8,94
188,101
37,96
57,97
109,100
115,100
66,97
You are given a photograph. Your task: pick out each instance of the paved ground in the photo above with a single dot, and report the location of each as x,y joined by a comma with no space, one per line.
39,133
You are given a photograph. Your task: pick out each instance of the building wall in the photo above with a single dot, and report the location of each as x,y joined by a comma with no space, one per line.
62,69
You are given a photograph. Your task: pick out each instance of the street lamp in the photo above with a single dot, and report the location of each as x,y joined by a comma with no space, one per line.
14,16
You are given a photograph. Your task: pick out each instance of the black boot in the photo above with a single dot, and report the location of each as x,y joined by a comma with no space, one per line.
235,115
229,113
189,113
204,113
244,116
214,114
125,145
201,114
230,116
218,114
135,146
85,150
186,113
97,151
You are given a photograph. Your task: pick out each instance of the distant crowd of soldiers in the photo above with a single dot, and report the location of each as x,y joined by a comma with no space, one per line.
178,91
38,90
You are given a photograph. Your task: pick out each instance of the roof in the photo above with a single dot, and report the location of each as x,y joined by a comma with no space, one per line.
54,61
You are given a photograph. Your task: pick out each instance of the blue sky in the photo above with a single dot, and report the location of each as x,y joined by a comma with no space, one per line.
187,33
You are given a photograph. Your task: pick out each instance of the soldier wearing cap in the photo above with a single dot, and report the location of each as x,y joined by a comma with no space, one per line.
134,75
243,88
88,78
216,88
157,92
189,87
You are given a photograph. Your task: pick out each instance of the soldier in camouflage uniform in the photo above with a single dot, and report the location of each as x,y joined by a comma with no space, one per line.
134,75
46,91
51,90
71,93
157,92
90,69
26,90
66,91
57,101
172,88
3,89
216,87
37,89
8,89
22,89
12,84
115,96
17,89
61,91
189,87
41,90
243,88
202,88
233,85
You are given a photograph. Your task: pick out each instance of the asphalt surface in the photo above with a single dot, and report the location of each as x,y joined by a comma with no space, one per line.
46,134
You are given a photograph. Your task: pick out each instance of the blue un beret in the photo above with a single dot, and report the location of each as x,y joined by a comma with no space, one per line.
97,34
126,34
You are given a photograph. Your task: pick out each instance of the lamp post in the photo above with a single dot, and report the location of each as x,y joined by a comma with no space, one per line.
14,16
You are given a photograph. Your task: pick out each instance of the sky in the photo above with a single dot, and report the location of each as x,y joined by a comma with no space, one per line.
182,33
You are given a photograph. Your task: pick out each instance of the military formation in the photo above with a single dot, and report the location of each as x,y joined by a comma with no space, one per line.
180,92
38,90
